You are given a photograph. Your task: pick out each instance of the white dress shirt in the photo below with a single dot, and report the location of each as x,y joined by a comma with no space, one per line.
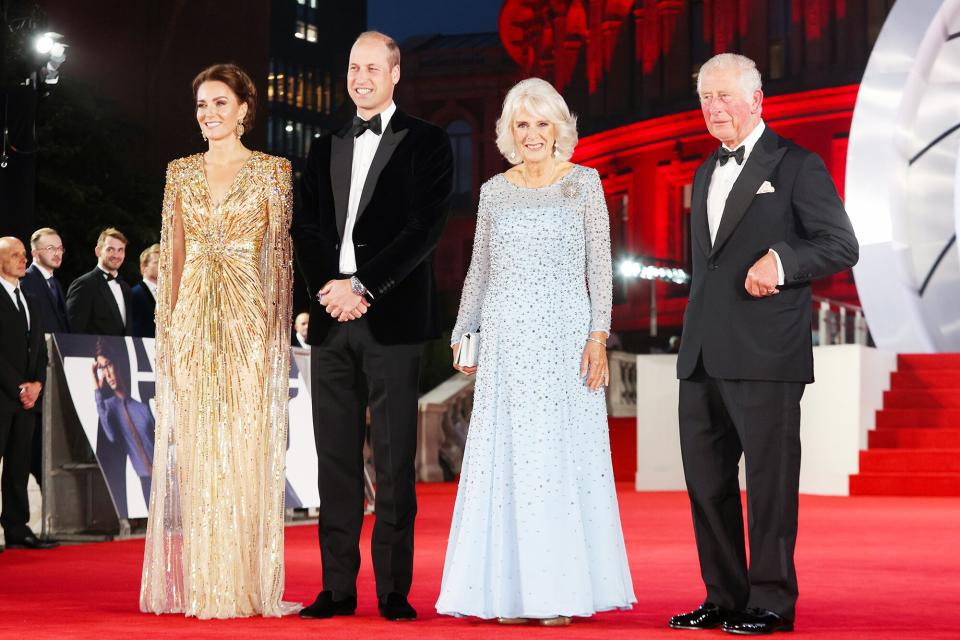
117,294
364,148
11,288
151,287
724,176
302,341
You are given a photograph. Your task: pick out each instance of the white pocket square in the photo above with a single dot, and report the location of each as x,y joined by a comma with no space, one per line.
766,187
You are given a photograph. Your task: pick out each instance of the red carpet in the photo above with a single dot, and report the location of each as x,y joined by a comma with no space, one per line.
868,567
915,448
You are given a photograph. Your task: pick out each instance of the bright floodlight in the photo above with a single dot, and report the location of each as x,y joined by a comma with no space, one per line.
44,44
630,268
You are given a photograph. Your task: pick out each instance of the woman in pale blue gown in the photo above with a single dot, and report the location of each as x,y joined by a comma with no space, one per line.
536,529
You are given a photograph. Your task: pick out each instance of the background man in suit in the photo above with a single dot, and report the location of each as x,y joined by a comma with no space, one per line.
301,326
374,199
766,220
46,247
23,363
98,302
143,296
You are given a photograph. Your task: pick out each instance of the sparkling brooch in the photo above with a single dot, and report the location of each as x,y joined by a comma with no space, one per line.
570,189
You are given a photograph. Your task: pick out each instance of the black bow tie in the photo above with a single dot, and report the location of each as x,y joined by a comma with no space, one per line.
109,276
360,125
725,155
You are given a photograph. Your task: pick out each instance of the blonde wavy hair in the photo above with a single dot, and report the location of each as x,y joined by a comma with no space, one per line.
541,100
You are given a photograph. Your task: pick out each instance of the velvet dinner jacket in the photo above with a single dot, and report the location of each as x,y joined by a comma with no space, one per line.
740,337
403,207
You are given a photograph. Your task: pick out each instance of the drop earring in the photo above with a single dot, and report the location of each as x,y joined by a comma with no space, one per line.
203,135
239,130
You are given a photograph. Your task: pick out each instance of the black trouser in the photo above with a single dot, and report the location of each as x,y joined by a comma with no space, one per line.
719,420
349,371
16,440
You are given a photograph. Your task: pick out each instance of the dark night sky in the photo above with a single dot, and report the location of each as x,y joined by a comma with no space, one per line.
404,18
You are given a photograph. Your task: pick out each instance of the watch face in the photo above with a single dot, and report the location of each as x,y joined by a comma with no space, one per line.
902,177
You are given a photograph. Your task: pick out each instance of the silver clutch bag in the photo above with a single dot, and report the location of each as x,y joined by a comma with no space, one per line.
469,352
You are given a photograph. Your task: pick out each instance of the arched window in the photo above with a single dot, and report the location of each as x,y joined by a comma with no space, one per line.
461,139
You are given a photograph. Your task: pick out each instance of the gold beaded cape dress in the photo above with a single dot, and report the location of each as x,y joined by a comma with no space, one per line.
214,546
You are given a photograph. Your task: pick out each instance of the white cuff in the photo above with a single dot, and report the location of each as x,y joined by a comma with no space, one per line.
780,280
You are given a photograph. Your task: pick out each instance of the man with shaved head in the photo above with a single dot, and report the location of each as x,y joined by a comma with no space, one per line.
23,363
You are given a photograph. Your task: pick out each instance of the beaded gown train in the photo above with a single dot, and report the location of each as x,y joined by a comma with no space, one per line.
536,527
214,546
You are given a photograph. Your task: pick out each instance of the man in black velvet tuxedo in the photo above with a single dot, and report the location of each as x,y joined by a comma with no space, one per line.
373,201
23,367
766,220
46,247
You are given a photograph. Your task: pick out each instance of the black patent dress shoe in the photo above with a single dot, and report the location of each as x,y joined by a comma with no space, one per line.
706,616
757,622
326,607
31,541
394,606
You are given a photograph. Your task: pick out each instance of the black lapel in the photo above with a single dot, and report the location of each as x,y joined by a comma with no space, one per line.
758,167
127,302
111,302
698,203
341,165
11,307
395,132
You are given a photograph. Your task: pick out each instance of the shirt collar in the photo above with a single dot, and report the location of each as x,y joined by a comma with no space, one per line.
107,273
150,284
751,140
385,115
46,273
9,286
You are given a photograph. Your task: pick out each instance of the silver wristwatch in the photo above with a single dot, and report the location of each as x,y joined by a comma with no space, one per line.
357,287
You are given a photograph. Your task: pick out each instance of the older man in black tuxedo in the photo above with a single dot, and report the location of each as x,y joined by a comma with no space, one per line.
374,199
23,364
766,220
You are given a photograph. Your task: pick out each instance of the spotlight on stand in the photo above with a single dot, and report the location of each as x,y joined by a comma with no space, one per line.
53,54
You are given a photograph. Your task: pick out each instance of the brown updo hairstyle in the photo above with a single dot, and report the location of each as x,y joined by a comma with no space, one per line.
238,81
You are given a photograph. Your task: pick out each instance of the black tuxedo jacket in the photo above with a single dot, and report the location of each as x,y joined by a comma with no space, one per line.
23,358
92,309
738,336
403,207
53,311
144,305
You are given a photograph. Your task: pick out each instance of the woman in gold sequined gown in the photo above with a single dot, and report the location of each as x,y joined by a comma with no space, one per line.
214,545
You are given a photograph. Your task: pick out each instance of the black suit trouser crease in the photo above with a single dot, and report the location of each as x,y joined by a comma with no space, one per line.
16,441
351,370
719,421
